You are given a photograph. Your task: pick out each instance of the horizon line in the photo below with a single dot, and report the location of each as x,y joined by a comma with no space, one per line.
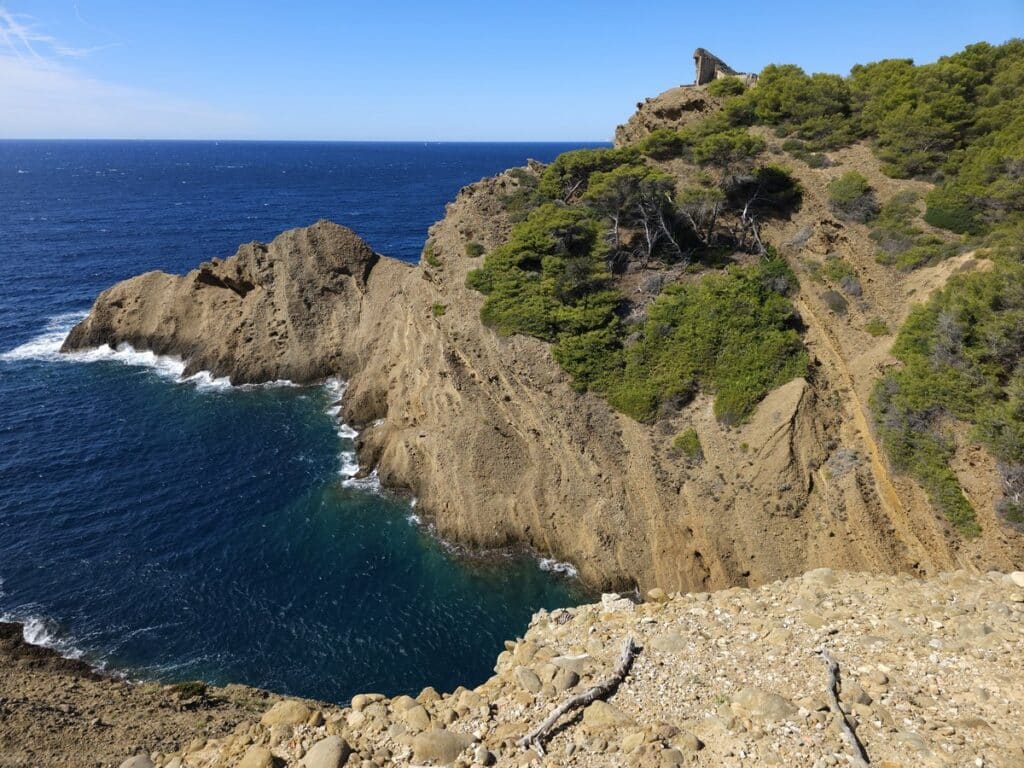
317,141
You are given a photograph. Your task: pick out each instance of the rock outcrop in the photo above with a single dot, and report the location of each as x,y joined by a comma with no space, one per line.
277,311
675,108
931,676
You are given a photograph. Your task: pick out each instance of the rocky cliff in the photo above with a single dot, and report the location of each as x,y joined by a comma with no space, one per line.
500,450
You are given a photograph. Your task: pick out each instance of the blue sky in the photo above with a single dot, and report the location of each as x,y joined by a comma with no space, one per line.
389,70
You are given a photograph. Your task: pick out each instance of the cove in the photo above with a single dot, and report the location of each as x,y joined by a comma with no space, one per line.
179,531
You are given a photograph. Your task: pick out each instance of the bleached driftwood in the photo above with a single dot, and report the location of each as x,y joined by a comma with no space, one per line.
535,738
860,755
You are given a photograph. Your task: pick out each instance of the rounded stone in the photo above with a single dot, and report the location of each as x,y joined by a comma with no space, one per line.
288,712
256,757
331,752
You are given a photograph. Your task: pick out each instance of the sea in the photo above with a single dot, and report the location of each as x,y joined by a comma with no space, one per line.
169,528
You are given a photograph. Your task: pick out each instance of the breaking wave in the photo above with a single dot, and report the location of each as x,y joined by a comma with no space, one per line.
46,348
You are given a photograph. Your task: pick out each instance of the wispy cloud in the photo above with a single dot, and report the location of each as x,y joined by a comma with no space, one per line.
20,37
45,94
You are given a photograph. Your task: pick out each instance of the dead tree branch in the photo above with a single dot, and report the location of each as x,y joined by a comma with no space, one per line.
606,687
860,755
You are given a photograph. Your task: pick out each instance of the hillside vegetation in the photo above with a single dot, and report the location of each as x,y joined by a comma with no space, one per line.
687,206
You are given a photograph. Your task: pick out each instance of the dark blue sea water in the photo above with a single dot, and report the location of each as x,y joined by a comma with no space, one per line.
186,530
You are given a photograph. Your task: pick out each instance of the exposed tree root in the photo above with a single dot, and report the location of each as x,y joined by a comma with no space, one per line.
860,755
606,687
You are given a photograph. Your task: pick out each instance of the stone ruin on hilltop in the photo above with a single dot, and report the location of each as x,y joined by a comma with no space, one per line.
709,67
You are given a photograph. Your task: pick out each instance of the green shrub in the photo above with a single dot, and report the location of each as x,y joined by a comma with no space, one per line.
876,326
960,355
957,213
474,249
815,270
664,144
549,278
566,178
430,256
926,251
438,310
726,86
901,243
850,197
815,108
524,197
688,444
730,334
836,269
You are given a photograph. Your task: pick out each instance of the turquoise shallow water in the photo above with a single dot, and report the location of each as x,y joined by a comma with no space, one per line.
188,530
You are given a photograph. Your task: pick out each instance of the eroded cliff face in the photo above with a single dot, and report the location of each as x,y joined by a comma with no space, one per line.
500,450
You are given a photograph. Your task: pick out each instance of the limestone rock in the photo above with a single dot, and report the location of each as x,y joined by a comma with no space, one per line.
138,761
612,602
331,752
439,746
287,712
601,714
577,664
417,717
759,704
670,642
528,679
256,757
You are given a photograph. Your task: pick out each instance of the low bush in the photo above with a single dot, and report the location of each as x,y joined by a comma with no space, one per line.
850,197
730,333
430,256
566,178
438,310
836,269
474,249
726,86
876,326
961,354
688,444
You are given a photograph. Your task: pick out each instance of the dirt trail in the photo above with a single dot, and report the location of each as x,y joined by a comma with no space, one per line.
908,528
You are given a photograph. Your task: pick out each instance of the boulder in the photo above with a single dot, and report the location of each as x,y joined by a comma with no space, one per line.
417,717
331,752
528,679
601,714
256,757
288,712
439,746
138,761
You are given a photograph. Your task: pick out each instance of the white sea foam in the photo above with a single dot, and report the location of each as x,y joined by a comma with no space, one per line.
370,483
46,348
554,566
349,461
36,630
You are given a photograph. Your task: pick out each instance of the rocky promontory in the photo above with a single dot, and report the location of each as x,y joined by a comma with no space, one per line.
283,310
499,448
930,675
